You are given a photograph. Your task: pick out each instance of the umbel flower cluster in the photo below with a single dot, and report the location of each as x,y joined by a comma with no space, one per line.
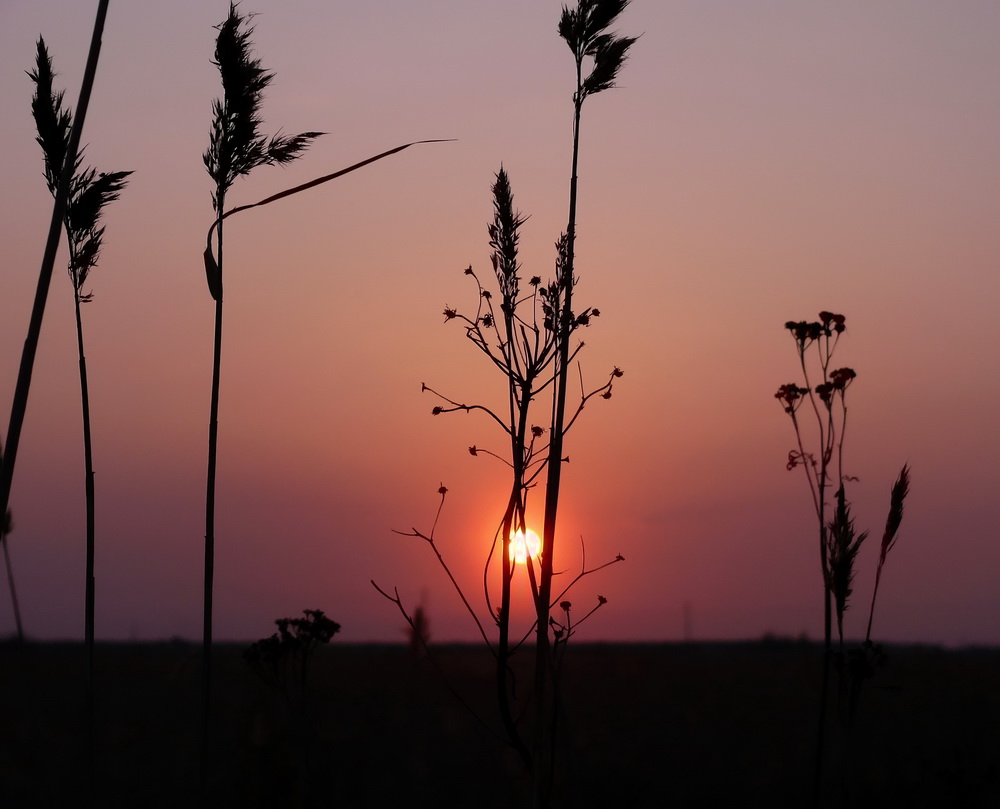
282,659
827,329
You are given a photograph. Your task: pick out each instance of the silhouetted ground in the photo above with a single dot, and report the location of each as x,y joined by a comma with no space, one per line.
675,725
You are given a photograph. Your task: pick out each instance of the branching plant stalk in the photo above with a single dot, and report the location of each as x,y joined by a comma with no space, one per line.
819,498
534,354
826,400
513,520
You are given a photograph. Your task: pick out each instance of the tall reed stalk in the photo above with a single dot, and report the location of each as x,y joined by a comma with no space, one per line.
89,193
236,148
585,31
62,193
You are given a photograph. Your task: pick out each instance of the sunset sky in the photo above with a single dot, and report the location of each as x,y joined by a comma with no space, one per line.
758,162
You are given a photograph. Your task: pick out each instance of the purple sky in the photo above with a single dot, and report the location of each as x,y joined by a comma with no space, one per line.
759,162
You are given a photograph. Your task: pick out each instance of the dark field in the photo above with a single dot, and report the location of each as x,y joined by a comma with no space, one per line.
678,725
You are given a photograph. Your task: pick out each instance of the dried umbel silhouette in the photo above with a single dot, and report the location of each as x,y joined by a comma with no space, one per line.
526,331
282,659
820,453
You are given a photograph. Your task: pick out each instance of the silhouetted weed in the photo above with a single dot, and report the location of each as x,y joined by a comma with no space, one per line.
526,332
822,460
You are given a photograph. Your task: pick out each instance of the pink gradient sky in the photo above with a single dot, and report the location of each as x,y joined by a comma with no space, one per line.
758,163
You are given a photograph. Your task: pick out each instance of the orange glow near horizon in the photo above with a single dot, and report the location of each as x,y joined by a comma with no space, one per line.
524,544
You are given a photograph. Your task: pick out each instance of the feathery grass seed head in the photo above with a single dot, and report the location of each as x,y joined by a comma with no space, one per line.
900,489
842,550
236,146
585,31
89,191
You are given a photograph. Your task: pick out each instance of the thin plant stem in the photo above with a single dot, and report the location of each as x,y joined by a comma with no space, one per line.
5,527
545,731
10,585
209,575
90,589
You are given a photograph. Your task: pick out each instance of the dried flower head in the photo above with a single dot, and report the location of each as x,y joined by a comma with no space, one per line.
791,396
841,378
832,322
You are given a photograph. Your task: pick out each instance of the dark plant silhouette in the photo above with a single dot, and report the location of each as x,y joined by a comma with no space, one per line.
585,30
526,332
897,497
282,660
6,526
825,390
418,635
62,194
282,663
815,343
89,193
236,147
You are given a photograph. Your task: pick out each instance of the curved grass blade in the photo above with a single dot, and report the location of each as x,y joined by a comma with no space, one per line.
211,265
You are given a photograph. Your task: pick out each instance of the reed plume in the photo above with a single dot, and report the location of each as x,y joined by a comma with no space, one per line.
843,545
900,489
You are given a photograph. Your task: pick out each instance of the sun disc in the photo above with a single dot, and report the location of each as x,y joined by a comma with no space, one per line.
524,544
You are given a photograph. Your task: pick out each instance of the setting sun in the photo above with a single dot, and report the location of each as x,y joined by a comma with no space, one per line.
524,544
